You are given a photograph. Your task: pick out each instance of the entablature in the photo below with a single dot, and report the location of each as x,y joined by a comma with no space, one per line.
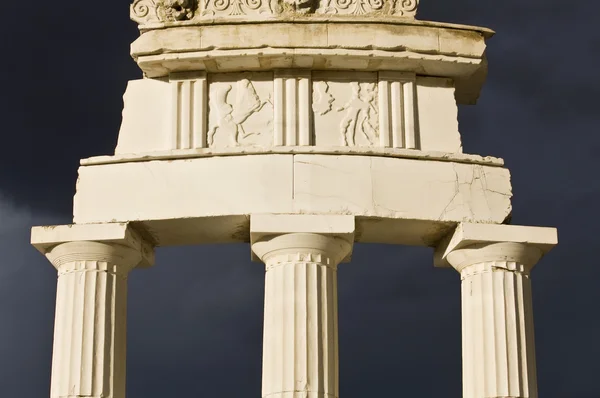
338,43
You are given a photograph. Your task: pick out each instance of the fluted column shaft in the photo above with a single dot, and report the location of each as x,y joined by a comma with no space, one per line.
300,352
90,326
497,320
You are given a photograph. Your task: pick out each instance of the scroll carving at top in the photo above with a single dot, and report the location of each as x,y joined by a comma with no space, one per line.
148,11
153,11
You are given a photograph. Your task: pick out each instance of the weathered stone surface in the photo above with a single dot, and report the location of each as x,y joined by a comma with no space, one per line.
349,43
90,330
289,108
169,11
300,126
370,187
495,262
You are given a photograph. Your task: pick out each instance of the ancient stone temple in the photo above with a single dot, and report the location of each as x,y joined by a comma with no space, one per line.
300,127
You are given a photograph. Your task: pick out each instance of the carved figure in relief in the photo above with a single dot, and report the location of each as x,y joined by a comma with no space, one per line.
230,118
322,98
179,10
153,11
296,6
360,110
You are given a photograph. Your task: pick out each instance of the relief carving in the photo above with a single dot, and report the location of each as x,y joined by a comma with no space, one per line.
215,8
354,7
405,8
296,6
229,118
322,99
179,10
152,11
144,11
361,114
346,110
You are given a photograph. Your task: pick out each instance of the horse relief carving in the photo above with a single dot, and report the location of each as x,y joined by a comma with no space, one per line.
229,118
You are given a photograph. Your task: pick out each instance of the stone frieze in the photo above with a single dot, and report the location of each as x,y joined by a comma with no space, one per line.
158,11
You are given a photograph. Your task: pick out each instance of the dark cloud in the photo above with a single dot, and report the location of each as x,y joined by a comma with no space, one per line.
196,318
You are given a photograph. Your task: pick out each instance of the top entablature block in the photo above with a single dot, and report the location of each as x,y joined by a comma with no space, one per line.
221,36
147,12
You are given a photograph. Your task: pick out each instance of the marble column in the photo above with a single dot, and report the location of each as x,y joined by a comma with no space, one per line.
300,352
497,319
91,311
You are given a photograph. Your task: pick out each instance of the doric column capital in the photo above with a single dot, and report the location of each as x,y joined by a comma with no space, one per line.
506,255
114,244
325,239
302,247
93,256
473,244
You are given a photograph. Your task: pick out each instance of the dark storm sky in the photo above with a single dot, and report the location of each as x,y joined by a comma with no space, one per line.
195,320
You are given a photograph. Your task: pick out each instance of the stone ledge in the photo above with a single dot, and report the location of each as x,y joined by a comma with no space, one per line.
440,50
487,33
243,151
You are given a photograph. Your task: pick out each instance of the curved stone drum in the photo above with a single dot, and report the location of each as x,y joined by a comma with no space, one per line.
300,127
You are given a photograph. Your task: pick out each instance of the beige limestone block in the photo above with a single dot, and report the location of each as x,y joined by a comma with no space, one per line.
369,186
209,187
300,352
146,111
437,115
497,316
400,188
199,227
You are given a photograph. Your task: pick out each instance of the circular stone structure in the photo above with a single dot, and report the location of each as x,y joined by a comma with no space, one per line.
299,127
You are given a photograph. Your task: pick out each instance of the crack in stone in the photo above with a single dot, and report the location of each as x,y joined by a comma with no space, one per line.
478,175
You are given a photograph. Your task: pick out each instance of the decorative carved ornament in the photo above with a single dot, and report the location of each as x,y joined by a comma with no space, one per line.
153,11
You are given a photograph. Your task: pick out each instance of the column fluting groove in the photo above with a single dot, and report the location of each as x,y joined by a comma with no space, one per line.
300,353
91,314
497,322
